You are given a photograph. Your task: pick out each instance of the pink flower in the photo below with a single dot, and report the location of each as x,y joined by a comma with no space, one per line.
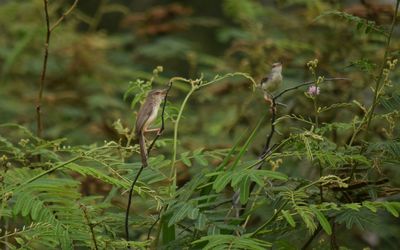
313,90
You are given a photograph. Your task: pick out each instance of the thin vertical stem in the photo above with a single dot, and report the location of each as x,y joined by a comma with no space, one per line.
379,80
315,101
367,119
49,29
90,225
39,124
172,174
316,112
334,245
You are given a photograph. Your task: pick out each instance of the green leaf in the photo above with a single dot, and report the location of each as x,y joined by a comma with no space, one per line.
200,224
245,190
26,208
237,178
36,210
180,213
201,160
322,220
354,206
193,213
19,240
390,208
230,153
207,189
98,174
223,241
185,159
168,232
221,181
370,205
257,179
247,143
271,174
20,202
213,230
289,218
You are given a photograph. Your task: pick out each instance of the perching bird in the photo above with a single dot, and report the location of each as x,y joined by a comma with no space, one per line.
146,115
271,82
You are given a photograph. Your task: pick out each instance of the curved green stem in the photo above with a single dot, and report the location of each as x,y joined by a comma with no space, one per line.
195,85
231,75
172,174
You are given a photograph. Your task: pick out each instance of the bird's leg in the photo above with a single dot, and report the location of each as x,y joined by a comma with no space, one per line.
154,129
268,99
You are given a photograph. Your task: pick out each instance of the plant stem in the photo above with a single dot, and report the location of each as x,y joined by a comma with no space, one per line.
49,29
39,124
316,113
310,240
308,83
128,207
90,225
66,13
230,75
379,80
172,174
334,245
270,219
367,119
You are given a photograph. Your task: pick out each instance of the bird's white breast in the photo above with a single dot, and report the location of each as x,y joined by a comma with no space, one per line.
152,116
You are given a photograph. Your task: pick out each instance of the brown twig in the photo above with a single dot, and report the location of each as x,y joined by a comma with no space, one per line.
49,29
90,225
334,245
154,223
313,236
66,13
43,74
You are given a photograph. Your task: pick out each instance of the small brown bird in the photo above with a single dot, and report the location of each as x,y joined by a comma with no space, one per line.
146,116
271,82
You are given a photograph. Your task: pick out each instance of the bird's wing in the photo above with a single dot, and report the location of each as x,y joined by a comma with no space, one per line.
265,80
143,116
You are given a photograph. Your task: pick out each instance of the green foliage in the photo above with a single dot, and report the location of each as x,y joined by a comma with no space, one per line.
330,171
232,242
362,24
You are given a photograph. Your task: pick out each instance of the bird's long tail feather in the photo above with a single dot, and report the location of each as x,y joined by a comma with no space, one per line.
143,151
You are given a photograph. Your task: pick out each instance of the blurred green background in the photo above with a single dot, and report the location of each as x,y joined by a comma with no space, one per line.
104,45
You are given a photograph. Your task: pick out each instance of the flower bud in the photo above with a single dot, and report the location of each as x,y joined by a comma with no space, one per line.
313,90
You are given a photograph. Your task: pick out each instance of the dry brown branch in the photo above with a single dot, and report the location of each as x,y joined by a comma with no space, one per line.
49,29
